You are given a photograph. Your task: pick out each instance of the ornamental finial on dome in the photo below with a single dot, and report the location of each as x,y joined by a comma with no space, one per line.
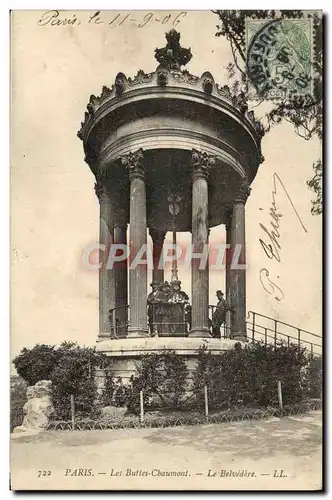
173,56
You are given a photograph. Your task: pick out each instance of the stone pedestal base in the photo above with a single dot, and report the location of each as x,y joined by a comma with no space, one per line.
200,333
104,335
136,334
239,337
125,353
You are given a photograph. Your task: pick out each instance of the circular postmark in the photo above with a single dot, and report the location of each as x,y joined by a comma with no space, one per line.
278,59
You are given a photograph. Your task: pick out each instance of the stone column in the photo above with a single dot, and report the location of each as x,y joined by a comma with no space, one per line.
201,163
237,283
121,281
228,262
158,238
106,276
138,238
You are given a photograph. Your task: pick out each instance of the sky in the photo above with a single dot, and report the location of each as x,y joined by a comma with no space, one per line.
54,210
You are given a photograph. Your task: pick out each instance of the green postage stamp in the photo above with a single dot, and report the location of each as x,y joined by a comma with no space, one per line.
279,57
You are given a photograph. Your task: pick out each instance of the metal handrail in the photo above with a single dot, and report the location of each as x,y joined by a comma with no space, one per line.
277,334
225,331
119,307
118,330
265,328
282,323
277,339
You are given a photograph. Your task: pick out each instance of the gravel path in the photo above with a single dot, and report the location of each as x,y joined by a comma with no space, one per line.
241,455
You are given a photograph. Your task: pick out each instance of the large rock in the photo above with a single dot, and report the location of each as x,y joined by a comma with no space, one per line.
38,409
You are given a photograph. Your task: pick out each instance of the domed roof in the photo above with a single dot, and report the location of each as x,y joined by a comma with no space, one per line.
168,74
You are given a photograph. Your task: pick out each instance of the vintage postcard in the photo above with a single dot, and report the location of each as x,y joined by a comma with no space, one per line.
166,250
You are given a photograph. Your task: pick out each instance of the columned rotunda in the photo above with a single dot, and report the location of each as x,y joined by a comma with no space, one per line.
170,151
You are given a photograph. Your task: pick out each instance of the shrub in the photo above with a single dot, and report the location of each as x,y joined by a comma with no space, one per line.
70,368
18,392
162,377
37,363
108,391
242,376
115,392
249,375
314,377
75,374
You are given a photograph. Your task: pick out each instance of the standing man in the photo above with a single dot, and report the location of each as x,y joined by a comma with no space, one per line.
219,315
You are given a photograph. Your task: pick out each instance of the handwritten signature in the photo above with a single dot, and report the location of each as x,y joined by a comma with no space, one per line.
54,18
272,248
269,286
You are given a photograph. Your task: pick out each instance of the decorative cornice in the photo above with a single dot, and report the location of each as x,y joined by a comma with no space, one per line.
133,161
184,139
201,163
141,78
207,82
164,78
243,191
120,83
256,123
169,74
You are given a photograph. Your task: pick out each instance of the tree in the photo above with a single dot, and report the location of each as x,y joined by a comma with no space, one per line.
71,369
37,363
18,392
74,374
316,185
305,113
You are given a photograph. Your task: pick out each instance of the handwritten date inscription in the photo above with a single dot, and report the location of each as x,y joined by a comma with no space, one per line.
270,242
112,19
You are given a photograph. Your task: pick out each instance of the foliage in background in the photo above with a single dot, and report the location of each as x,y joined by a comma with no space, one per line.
242,376
314,378
70,368
304,113
162,377
18,392
37,363
108,391
249,376
315,184
115,392
75,374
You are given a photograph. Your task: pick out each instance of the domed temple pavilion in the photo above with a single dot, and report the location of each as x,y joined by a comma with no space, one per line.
175,152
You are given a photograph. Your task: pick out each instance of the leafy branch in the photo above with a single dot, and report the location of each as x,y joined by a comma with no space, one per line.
304,113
